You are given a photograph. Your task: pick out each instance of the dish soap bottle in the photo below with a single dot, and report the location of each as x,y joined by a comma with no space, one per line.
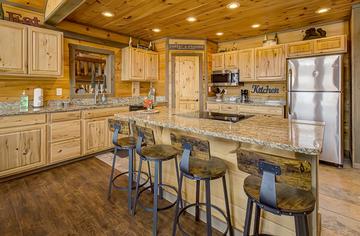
24,102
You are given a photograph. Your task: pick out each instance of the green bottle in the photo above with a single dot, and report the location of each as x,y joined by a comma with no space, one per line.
2,15
24,102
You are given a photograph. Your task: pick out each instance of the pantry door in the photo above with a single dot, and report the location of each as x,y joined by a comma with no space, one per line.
187,81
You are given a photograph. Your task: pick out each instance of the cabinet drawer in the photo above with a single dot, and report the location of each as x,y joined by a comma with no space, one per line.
300,49
331,44
65,130
89,114
65,116
266,110
13,121
225,108
213,107
65,150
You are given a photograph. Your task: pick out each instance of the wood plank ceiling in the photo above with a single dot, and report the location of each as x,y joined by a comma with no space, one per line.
138,17
34,5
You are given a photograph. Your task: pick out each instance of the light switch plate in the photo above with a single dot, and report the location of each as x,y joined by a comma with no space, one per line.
59,92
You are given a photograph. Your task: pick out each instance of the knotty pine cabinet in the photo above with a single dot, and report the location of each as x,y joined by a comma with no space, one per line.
231,60
139,65
218,61
30,51
243,108
270,63
300,49
13,48
21,149
247,65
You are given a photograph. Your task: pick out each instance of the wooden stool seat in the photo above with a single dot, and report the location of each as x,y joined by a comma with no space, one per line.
290,200
213,168
161,152
127,142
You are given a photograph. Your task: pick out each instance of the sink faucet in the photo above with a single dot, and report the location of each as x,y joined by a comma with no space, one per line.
96,93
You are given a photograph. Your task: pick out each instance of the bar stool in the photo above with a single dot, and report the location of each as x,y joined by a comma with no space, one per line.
127,143
197,164
277,198
157,153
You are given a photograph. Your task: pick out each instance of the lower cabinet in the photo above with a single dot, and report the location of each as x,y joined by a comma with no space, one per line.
22,149
96,133
65,150
241,108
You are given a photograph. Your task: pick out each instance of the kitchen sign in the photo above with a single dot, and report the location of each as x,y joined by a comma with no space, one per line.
264,89
186,47
18,18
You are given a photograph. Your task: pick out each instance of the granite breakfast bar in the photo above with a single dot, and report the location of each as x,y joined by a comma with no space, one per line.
289,143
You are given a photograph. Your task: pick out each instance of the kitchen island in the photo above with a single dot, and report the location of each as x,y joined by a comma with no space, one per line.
296,142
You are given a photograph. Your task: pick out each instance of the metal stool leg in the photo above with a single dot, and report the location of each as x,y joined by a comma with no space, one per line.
257,220
112,174
179,201
197,207
208,208
178,179
130,179
161,193
156,190
150,178
248,217
301,225
227,206
137,187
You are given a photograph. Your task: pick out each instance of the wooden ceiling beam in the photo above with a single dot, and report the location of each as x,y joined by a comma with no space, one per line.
58,10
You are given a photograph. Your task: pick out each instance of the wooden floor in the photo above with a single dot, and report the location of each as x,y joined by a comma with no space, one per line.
71,200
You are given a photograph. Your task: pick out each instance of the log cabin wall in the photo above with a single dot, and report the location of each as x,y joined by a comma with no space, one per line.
11,87
338,28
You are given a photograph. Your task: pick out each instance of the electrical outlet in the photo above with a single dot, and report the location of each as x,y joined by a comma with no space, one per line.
59,92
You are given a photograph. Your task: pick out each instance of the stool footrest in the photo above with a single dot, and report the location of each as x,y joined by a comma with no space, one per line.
159,208
125,188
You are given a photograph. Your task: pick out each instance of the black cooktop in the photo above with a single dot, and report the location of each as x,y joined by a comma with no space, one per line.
216,116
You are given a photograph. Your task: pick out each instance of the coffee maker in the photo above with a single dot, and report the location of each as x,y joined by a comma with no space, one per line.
244,96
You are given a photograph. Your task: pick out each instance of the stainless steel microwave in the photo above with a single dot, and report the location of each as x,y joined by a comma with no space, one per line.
225,78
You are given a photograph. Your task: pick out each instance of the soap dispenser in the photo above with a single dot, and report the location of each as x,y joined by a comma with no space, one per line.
24,102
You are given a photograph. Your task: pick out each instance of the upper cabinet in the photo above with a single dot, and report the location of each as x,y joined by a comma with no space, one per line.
300,49
139,65
218,61
13,48
247,65
30,51
335,44
45,52
270,63
231,60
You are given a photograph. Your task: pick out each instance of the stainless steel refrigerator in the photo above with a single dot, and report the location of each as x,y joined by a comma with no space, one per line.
315,93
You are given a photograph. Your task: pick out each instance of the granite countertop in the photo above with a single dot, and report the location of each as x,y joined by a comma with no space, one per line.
271,103
10,110
273,132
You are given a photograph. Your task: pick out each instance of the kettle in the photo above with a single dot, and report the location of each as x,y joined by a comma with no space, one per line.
38,97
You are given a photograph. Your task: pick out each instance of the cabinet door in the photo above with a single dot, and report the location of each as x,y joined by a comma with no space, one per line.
21,149
335,44
95,136
13,48
151,66
231,60
137,64
305,48
218,61
270,63
45,52
247,65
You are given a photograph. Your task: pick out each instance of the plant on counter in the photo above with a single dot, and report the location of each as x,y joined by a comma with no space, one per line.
148,103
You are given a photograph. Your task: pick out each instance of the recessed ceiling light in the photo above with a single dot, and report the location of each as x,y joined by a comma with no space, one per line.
156,30
323,10
107,14
219,33
255,26
191,19
233,5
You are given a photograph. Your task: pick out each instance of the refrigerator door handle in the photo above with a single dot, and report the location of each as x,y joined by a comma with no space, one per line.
289,87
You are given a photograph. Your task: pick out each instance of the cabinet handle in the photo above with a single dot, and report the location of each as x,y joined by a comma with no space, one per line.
60,151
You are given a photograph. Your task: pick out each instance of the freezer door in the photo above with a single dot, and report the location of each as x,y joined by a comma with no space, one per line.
315,74
324,107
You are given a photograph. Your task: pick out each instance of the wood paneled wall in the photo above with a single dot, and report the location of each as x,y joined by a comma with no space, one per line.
161,84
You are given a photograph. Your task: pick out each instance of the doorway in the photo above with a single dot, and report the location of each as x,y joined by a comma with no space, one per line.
186,89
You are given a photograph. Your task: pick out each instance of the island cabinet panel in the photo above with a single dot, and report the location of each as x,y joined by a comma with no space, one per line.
247,65
229,108
45,52
299,49
151,66
13,48
218,61
21,149
231,60
335,44
213,107
270,63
